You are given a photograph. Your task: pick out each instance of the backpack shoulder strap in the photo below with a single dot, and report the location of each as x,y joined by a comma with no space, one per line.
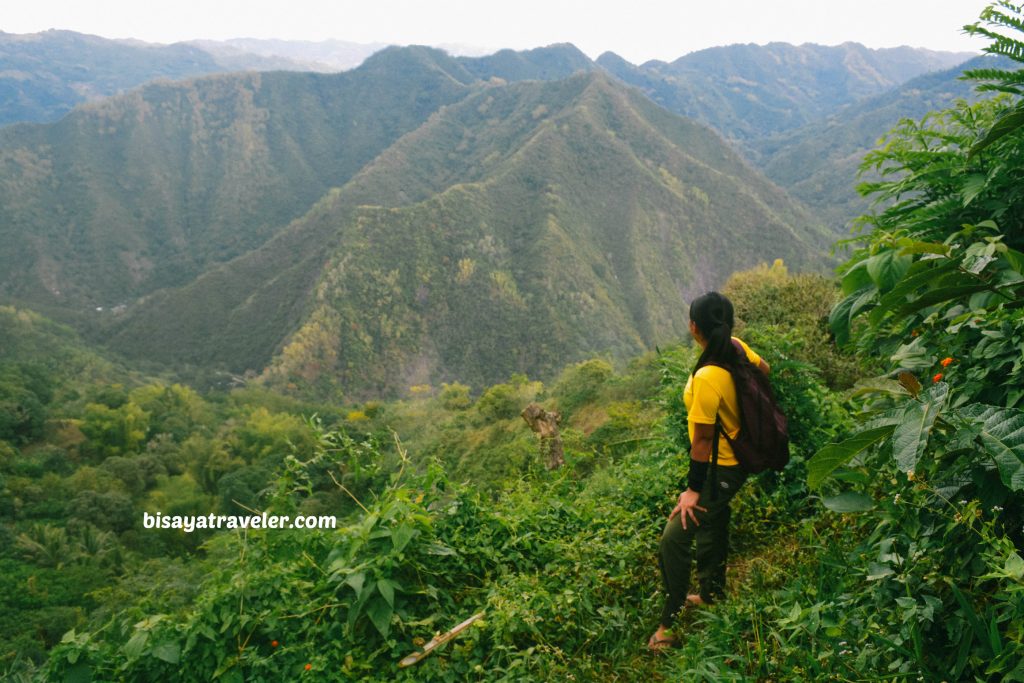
713,479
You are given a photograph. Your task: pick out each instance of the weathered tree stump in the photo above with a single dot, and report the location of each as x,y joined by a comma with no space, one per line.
545,424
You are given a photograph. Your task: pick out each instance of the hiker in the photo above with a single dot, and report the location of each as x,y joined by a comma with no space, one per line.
710,396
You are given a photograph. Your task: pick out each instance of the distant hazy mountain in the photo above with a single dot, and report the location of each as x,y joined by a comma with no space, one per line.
818,163
543,63
749,91
523,227
324,55
43,75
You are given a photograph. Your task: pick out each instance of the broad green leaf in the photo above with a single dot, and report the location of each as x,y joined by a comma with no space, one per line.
888,268
879,385
1014,566
849,501
380,613
911,435
913,356
136,644
912,247
877,571
387,590
921,274
356,582
825,461
168,651
974,184
856,278
1002,436
1016,260
1007,124
938,296
863,301
401,536
839,318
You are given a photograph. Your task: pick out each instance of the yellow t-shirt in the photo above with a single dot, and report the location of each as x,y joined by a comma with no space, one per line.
710,393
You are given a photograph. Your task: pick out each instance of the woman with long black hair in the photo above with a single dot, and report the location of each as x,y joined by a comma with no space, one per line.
700,514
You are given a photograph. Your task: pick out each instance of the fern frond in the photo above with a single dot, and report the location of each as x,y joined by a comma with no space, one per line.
994,16
1000,75
995,87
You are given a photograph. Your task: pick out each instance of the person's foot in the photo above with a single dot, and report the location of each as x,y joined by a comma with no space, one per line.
694,600
662,640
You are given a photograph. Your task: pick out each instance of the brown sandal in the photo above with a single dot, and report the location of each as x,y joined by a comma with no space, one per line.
662,644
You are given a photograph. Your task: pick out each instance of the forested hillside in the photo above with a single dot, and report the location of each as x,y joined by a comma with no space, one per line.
561,218
149,189
525,227
818,163
749,91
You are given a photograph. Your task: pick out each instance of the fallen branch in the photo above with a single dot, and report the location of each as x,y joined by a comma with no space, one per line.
438,641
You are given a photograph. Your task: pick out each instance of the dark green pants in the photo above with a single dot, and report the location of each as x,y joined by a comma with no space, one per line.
712,536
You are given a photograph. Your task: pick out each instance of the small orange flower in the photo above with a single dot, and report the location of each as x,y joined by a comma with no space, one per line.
937,378
946,362
308,667
914,333
273,643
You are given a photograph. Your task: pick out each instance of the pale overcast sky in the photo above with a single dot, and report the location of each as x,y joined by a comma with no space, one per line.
636,29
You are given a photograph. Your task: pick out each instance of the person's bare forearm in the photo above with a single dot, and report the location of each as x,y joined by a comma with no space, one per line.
701,450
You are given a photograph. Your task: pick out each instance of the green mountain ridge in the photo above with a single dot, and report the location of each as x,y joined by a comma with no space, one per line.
818,163
748,91
523,227
149,189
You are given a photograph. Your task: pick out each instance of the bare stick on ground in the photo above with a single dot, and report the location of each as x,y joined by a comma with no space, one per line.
438,641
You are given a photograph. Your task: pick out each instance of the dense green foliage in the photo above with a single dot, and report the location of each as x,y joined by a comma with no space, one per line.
561,563
936,291
889,549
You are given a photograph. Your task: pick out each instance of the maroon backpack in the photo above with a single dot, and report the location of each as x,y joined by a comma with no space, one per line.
763,439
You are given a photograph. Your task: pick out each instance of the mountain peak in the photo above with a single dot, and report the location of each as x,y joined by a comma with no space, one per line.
612,61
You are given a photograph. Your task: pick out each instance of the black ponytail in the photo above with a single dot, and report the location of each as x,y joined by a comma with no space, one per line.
713,315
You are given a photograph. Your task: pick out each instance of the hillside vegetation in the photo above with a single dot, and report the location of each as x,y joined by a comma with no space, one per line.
749,91
819,163
150,189
890,548
524,227
463,515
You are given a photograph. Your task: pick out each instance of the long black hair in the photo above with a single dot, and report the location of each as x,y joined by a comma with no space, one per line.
713,315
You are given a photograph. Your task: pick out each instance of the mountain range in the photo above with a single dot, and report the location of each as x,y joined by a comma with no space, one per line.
426,218
818,163
573,212
44,75
749,91
742,91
